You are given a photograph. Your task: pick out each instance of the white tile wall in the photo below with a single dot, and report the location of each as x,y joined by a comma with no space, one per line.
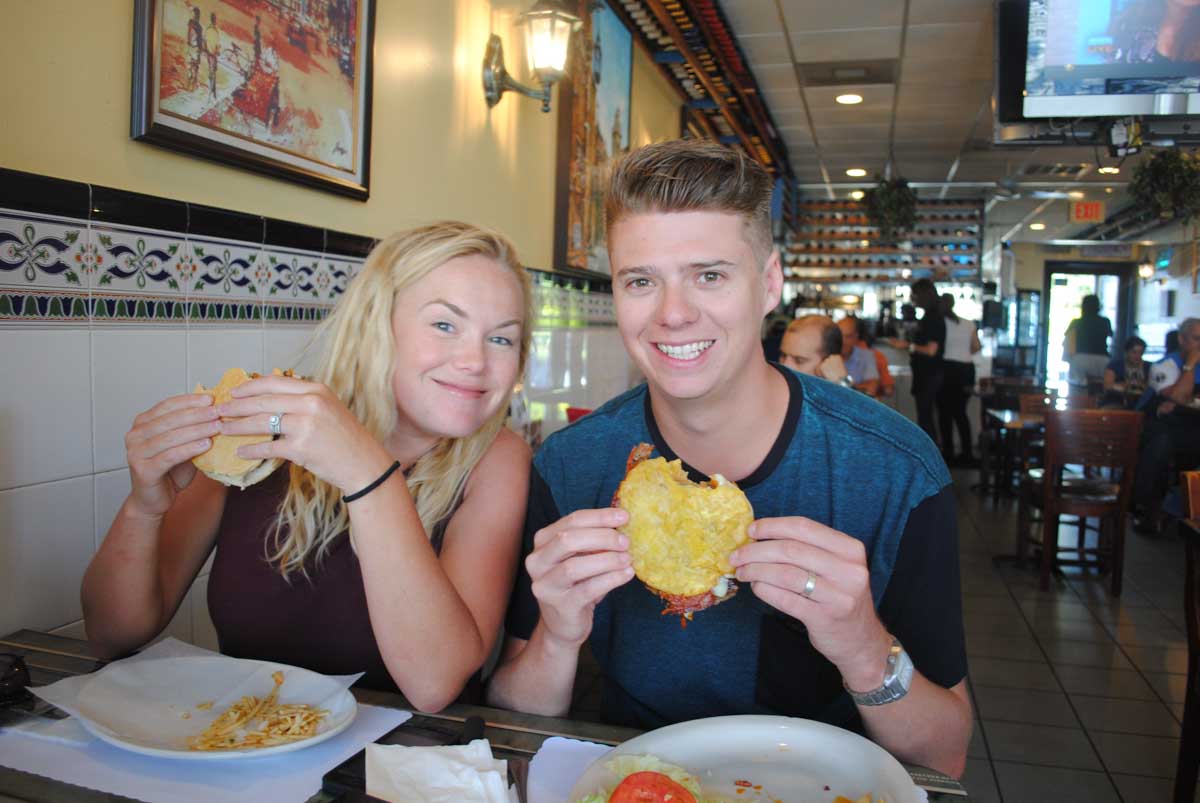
288,347
45,405
210,352
57,502
46,542
111,489
135,368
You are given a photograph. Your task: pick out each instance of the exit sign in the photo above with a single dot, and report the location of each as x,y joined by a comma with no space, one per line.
1087,211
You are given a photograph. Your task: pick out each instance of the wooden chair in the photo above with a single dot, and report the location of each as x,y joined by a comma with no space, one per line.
1188,764
1093,440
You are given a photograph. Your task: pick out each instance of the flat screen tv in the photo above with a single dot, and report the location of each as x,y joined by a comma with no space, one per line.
1111,58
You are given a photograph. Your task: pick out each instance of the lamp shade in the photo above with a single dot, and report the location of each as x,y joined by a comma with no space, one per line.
548,29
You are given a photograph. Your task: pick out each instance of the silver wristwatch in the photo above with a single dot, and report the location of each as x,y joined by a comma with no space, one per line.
896,679
846,382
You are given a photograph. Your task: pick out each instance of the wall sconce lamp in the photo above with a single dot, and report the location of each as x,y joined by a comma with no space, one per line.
1146,270
548,28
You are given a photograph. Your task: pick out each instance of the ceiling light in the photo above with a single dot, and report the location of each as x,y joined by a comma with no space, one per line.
856,172
1110,170
1036,226
1108,190
849,99
1146,270
857,195
1076,194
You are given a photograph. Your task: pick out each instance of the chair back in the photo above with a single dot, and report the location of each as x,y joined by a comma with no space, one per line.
1093,439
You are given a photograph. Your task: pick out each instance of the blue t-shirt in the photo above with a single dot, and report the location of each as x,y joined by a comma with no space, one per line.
860,365
841,459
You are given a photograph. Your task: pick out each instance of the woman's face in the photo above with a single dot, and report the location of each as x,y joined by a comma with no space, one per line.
1135,352
458,346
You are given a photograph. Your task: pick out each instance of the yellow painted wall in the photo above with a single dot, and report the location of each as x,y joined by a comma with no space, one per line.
437,151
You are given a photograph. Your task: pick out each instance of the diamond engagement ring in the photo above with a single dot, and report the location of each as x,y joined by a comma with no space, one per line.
275,422
810,585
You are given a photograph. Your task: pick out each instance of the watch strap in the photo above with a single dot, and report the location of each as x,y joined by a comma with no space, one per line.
896,680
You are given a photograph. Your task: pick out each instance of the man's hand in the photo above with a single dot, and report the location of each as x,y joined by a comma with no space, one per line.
575,562
819,576
833,368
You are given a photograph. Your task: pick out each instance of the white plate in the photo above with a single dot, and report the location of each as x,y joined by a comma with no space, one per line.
793,760
150,706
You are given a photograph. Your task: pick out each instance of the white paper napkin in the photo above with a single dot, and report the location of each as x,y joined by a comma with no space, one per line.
444,774
558,765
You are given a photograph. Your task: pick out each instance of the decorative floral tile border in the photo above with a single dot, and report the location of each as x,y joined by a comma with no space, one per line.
58,268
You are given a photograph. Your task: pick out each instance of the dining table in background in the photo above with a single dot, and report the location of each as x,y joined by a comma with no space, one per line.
1005,431
51,658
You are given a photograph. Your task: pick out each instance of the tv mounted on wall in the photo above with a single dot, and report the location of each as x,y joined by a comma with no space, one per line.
1105,58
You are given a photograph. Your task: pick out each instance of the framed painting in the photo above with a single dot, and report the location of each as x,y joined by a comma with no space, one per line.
593,126
282,87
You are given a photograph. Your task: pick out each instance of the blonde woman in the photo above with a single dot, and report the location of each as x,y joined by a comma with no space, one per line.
420,359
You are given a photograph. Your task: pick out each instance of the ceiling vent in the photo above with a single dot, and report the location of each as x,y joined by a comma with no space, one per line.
848,73
1052,171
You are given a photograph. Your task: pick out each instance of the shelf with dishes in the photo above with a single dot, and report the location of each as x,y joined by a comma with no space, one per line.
834,242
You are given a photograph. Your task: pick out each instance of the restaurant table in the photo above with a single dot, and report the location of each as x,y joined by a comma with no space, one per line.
51,658
1010,427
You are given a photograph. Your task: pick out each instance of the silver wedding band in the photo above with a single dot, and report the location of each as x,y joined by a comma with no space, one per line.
275,422
810,585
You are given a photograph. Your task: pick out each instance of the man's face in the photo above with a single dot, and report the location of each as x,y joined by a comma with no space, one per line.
690,297
849,335
800,349
1189,339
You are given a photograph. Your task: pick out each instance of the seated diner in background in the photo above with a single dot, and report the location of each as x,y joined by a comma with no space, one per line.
866,341
416,375
860,362
850,608
1172,431
812,345
1125,374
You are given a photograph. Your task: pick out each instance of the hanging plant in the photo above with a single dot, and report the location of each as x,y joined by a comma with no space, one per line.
891,207
1168,184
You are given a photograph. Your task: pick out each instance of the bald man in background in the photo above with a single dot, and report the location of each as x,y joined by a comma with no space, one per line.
813,345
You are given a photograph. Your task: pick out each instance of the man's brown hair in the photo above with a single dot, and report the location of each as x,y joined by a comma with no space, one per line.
693,175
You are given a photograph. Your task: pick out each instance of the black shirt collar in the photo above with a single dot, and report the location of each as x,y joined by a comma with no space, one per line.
778,448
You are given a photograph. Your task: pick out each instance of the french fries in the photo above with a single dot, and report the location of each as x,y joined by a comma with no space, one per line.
277,724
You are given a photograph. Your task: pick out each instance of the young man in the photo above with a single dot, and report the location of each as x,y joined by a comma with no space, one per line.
842,583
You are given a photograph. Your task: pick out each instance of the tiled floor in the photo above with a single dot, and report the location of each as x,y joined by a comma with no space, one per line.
1077,694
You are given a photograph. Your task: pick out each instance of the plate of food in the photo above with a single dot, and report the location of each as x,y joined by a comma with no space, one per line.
213,707
747,758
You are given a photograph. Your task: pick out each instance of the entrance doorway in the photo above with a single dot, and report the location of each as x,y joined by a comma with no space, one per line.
1066,286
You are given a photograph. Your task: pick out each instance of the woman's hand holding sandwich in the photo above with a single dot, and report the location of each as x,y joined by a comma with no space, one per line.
317,431
160,447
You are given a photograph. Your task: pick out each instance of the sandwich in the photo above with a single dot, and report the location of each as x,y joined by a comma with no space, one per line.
681,533
221,461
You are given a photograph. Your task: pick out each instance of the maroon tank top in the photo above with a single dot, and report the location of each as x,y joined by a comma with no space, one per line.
319,622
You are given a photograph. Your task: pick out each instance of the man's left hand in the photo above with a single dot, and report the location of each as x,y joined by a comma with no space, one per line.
819,576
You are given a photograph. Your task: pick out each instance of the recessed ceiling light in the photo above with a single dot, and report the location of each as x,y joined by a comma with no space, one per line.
856,172
1108,190
1036,226
857,195
849,99
1110,170
1076,194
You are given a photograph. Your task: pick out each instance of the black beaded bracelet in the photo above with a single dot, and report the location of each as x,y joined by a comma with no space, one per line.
382,479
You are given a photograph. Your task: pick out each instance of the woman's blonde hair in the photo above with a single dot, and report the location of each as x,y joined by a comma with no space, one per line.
358,354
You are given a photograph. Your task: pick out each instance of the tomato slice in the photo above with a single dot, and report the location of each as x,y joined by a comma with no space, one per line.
650,787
